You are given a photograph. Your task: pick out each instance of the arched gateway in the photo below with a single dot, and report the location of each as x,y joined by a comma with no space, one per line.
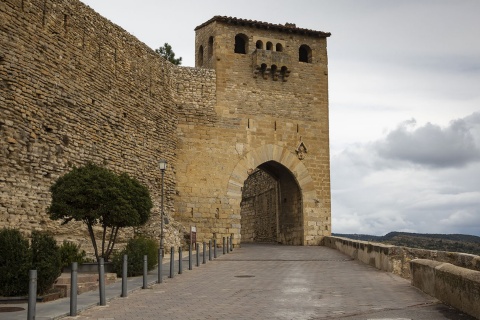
279,190
253,151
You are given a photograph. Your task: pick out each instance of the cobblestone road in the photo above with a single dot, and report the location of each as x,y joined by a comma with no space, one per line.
278,282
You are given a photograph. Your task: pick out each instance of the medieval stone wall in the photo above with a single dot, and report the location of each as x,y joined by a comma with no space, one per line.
259,208
77,88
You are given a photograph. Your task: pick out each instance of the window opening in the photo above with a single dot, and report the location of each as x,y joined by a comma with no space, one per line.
200,56
274,71
284,73
210,47
269,45
279,47
241,43
305,54
259,44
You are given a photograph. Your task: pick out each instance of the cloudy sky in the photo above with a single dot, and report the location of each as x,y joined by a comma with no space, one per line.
404,82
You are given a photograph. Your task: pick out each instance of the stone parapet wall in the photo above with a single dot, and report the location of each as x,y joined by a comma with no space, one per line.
453,285
397,259
451,277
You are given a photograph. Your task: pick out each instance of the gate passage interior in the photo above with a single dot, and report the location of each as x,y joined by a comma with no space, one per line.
271,207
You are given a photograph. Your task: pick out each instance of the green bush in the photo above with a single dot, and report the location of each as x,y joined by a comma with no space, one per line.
98,196
70,252
15,262
136,248
45,259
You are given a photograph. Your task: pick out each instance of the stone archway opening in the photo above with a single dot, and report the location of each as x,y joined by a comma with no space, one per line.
271,208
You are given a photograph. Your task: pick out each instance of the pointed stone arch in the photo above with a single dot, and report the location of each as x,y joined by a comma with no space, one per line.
264,154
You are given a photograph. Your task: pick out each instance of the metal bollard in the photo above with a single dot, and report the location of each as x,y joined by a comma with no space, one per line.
32,294
215,248
231,242
198,256
190,267
224,245
180,265
101,282
160,267
210,250
172,262
145,271
228,245
124,276
73,289
204,253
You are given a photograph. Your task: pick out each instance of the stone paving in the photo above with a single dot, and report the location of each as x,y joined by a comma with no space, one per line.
278,282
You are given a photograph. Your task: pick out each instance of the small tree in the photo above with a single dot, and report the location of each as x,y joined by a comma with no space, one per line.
97,196
167,52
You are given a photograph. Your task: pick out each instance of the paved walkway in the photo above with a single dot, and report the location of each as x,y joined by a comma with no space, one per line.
274,282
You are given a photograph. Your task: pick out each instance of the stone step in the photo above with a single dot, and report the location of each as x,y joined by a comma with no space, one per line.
85,282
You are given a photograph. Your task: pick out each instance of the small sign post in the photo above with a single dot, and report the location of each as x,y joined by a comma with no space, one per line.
193,237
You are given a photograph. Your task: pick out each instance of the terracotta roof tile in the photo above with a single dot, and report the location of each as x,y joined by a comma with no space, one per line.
286,28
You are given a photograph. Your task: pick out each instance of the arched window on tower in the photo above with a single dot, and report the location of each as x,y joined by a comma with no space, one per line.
200,56
259,44
241,43
269,45
210,47
305,54
279,47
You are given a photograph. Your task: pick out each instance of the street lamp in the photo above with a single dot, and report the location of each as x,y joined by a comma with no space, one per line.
162,165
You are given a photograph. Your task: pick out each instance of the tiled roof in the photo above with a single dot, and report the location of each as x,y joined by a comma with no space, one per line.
286,28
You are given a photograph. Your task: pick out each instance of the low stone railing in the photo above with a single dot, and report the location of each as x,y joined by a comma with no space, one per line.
451,277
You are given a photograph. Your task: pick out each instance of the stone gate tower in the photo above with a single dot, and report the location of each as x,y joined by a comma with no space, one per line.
253,159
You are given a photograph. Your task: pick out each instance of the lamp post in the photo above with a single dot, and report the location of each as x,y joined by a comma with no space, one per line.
162,165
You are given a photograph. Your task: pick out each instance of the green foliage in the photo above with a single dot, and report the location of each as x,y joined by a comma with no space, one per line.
15,262
45,259
98,196
70,252
136,248
167,52
84,194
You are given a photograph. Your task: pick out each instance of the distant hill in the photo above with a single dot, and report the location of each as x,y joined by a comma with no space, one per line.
443,242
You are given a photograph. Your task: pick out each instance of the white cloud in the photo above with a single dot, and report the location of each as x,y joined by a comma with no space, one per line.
375,194
432,145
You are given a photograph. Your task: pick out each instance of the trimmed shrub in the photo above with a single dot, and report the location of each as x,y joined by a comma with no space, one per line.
136,248
46,259
98,196
15,261
70,252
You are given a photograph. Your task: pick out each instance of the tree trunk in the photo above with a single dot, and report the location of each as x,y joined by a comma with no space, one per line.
92,238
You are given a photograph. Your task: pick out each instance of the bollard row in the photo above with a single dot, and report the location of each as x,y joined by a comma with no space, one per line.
32,290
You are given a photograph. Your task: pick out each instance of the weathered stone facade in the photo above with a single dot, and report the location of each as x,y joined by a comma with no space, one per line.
75,87
271,113
259,208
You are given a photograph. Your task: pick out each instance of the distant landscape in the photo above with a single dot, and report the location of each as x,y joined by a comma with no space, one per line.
442,242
